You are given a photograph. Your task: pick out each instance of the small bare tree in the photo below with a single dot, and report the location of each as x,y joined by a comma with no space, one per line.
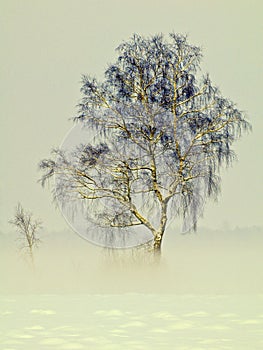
27,228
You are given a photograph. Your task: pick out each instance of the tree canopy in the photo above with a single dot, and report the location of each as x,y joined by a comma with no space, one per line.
163,132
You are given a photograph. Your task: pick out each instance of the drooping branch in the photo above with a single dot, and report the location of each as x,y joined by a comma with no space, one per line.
163,134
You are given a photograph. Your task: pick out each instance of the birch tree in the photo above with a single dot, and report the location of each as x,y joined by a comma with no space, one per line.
164,131
27,228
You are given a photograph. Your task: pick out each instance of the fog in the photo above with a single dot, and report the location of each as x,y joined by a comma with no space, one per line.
205,293
206,262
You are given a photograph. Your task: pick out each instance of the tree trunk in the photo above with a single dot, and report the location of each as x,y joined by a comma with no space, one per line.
157,244
32,260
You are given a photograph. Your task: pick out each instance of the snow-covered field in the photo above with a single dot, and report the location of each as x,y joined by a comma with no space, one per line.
131,321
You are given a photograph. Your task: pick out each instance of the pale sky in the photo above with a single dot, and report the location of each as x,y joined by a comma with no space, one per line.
48,45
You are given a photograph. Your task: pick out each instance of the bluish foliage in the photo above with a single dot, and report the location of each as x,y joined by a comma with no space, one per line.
165,132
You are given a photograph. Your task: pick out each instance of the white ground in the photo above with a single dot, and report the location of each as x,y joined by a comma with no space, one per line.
131,321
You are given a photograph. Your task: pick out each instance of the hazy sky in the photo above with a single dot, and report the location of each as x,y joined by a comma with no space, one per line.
47,45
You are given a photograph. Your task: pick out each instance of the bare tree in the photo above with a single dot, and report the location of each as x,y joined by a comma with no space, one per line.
27,228
164,131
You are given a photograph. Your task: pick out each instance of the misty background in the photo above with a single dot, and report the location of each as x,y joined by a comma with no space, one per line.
209,262
46,47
